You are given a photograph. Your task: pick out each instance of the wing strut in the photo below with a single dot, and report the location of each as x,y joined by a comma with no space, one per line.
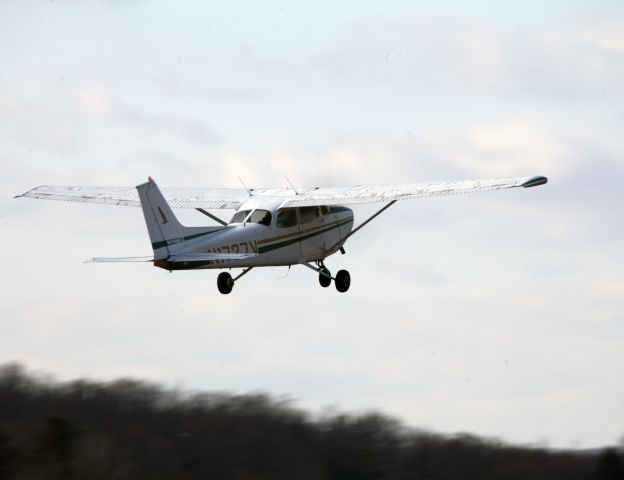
214,217
242,273
380,211
320,271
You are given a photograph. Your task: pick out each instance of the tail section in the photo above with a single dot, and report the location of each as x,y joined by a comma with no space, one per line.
163,227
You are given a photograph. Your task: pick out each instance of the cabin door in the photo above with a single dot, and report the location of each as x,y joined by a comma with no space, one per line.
318,232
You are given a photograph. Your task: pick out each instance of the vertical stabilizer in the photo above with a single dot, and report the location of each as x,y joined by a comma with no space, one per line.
163,227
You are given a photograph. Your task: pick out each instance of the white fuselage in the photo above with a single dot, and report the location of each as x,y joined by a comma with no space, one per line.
275,236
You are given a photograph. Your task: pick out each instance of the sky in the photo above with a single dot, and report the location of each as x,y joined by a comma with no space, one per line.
499,313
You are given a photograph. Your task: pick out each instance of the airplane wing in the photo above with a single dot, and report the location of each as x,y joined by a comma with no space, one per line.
211,198
232,198
387,193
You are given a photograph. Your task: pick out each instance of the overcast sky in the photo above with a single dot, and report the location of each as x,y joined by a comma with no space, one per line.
500,314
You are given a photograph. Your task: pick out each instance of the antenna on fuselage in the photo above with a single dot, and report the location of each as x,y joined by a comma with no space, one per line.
249,190
291,185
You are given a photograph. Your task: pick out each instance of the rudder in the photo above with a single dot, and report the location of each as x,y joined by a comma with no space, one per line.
163,227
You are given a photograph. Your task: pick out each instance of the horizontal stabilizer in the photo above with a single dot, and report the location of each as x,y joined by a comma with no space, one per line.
183,257
119,259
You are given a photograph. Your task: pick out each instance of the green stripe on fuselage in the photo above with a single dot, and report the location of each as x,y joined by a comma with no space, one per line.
173,241
275,246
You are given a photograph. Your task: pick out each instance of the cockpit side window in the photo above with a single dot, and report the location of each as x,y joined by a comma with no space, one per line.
263,217
239,217
286,218
308,214
324,210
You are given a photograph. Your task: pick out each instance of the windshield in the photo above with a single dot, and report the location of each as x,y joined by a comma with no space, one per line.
240,216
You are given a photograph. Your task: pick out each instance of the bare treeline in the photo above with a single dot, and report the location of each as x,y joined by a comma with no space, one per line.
129,429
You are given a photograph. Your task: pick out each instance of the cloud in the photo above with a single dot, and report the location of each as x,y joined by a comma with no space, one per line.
95,99
463,55
605,35
79,122
111,3
510,146
504,303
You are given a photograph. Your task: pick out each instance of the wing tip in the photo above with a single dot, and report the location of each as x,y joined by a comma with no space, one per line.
26,193
535,182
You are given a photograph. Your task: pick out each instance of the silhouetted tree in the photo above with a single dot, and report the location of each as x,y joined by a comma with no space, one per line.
129,429
7,455
610,465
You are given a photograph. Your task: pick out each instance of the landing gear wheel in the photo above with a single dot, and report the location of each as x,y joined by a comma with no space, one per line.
325,281
225,283
343,281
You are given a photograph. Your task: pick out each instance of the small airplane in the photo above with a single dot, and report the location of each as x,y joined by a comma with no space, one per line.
271,227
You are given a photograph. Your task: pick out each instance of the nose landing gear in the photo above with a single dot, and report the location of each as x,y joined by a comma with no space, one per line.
325,277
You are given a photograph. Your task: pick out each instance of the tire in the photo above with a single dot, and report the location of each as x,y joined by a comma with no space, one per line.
323,280
225,283
343,281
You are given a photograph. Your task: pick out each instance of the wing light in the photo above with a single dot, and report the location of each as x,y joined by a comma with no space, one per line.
534,182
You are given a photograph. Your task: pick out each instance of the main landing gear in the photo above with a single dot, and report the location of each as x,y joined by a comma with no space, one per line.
342,279
225,282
